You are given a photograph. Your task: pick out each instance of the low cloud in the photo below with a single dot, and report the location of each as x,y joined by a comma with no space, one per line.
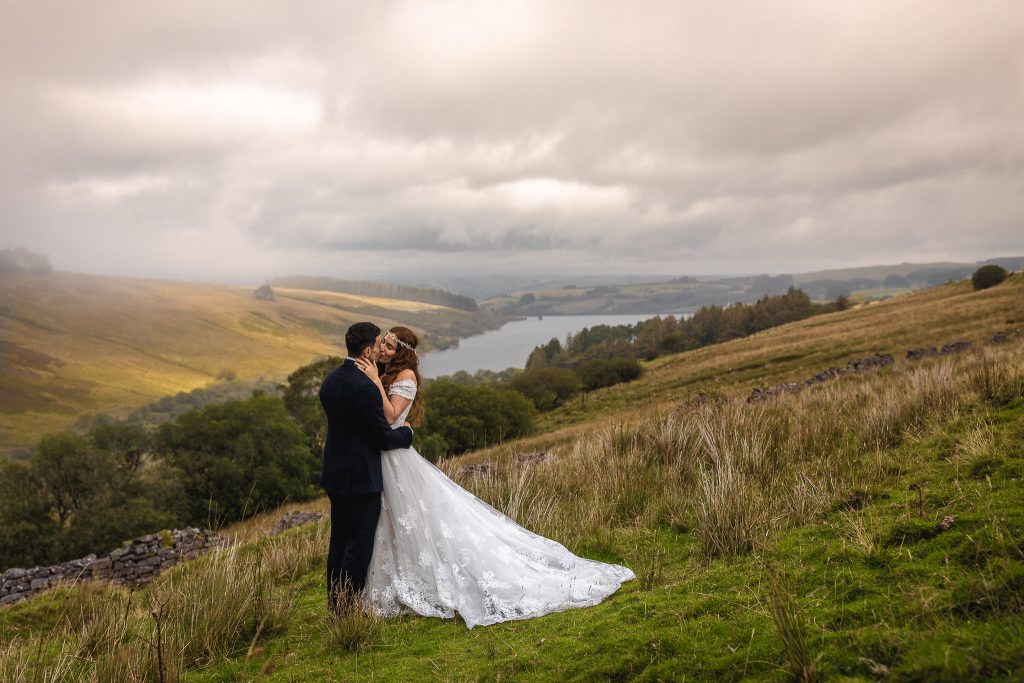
245,141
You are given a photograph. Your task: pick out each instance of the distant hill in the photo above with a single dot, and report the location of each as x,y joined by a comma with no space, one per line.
686,294
378,289
74,345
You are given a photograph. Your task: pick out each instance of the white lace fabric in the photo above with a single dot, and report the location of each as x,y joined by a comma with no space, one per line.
440,550
406,388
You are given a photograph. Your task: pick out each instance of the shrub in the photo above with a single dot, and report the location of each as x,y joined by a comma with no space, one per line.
238,456
302,399
466,417
988,276
547,388
595,374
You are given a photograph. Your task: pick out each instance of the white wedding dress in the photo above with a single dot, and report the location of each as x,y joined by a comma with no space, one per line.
440,550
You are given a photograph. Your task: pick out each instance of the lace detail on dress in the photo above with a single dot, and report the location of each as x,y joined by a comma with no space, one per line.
440,550
406,388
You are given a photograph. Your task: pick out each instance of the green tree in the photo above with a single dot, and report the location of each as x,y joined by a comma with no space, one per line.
29,533
73,472
547,388
467,417
988,276
238,457
595,374
95,492
128,442
302,399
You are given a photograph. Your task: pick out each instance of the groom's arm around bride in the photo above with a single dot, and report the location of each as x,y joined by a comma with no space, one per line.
357,432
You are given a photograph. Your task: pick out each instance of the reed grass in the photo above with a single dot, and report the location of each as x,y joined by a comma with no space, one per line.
790,627
734,474
354,629
738,472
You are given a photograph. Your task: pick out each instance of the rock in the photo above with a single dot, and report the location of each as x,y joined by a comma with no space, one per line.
14,574
946,523
478,469
922,353
11,599
876,669
955,347
825,375
760,394
293,519
999,338
38,584
876,361
536,457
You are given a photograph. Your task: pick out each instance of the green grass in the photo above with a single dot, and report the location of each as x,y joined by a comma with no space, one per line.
925,605
841,490
871,584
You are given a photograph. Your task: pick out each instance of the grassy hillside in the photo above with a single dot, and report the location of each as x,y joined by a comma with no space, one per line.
649,298
865,528
73,345
796,351
686,294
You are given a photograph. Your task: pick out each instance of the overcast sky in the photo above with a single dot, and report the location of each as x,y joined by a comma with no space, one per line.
374,139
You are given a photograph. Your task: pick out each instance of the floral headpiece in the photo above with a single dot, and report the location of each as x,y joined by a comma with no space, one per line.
394,337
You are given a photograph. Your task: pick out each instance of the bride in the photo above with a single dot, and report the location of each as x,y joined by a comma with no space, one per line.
440,550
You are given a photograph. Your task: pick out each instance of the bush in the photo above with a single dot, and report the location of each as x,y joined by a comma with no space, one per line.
547,388
595,374
988,276
239,457
84,493
302,399
467,417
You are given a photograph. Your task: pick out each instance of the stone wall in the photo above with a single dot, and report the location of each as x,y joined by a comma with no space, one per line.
136,563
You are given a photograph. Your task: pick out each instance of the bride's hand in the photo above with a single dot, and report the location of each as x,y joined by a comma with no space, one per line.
370,369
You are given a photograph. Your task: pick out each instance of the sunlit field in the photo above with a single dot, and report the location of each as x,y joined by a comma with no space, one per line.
76,345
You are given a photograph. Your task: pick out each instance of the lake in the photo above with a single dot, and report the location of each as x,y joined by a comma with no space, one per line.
510,346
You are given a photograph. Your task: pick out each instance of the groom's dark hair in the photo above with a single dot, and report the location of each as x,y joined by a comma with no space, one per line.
359,336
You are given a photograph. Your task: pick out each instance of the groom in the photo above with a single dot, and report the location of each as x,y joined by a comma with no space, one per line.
357,432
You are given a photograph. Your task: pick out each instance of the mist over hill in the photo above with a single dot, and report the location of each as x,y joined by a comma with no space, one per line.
684,294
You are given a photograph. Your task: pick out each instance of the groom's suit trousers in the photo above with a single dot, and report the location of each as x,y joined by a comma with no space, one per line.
353,526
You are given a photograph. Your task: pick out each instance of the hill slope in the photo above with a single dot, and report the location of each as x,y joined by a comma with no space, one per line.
865,528
73,345
793,352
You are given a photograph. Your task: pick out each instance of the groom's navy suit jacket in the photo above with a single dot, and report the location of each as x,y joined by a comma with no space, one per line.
357,432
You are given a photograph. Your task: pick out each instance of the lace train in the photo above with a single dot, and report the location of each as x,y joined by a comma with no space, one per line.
440,550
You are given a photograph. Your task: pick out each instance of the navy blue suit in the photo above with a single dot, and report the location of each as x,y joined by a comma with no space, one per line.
357,432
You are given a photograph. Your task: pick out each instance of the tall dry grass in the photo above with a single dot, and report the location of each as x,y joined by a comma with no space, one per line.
736,472
218,606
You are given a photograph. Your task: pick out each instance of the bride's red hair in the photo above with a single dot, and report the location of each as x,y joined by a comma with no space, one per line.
405,358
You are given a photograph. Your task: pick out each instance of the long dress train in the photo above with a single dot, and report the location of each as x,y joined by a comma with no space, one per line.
440,550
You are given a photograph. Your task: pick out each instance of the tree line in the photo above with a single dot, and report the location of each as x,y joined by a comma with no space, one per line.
367,288
82,493
648,339
215,464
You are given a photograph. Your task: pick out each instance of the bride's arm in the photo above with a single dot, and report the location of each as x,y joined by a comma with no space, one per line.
395,404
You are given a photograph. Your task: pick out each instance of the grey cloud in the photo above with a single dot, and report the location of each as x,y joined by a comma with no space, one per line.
686,135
